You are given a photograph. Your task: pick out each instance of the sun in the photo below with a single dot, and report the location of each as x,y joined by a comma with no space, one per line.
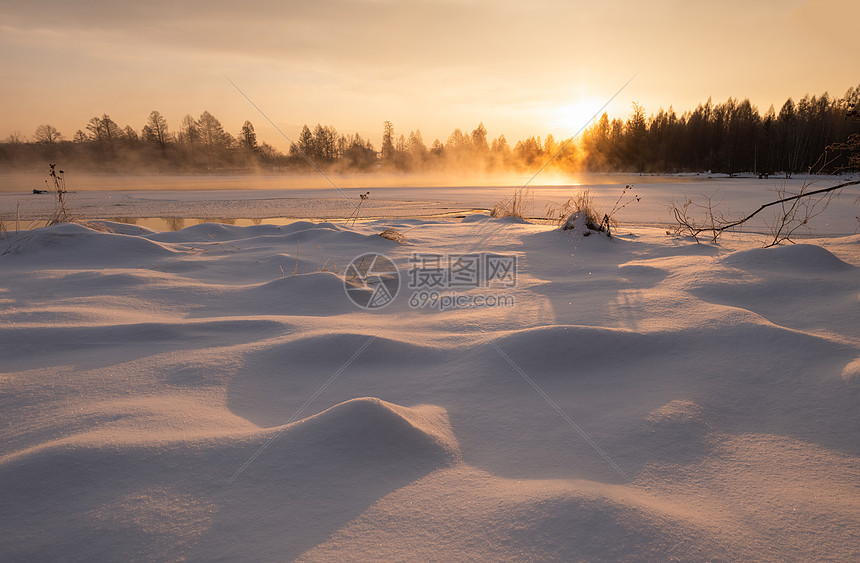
567,119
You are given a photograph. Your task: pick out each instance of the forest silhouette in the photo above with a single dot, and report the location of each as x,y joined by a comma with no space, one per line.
729,137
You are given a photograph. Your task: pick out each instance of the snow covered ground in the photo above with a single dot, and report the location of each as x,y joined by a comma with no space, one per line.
214,393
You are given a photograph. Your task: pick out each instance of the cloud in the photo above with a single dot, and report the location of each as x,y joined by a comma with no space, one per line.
376,34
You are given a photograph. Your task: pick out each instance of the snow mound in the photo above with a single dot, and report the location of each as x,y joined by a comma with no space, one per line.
476,218
92,341
118,228
274,381
513,220
676,431
576,347
373,429
573,521
160,521
852,370
796,257
580,224
588,527
482,217
642,276
326,233
313,293
315,282
77,244
676,412
372,437
89,282
205,232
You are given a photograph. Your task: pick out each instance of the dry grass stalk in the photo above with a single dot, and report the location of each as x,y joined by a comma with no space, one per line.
582,204
59,181
516,206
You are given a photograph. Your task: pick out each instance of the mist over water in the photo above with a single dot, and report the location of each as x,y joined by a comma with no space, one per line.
26,182
281,198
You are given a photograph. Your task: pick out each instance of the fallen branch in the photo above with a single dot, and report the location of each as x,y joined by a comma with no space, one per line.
787,199
687,226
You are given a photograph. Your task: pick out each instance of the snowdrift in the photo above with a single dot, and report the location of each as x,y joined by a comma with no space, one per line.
213,394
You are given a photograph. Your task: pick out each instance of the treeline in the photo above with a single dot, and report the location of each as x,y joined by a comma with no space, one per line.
199,145
730,137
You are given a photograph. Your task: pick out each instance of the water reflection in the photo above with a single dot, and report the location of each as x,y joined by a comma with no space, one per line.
179,223
174,223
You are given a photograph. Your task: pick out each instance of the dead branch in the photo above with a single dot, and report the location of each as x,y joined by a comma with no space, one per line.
787,199
787,222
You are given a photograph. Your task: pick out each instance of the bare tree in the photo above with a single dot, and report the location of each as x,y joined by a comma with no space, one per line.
47,134
212,134
104,130
156,130
130,136
214,140
190,131
325,143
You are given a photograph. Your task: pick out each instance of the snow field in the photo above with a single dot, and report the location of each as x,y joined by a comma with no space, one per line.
142,371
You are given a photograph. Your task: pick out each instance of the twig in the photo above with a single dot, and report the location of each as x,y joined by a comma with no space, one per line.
225,249
16,245
786,199
781,231
354,214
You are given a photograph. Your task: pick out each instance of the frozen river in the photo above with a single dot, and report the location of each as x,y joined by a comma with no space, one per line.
162,201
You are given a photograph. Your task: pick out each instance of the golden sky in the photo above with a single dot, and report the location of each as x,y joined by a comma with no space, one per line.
521,67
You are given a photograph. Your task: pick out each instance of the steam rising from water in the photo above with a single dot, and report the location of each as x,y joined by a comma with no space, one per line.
26,182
